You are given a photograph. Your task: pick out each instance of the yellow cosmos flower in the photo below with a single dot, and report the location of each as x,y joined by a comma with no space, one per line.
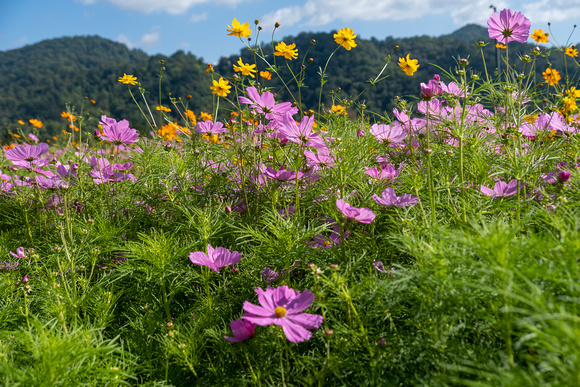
339,109
245,68
569,104
539,36
500,46
203,116
572,92
21,122
266,75
163,109
35,123
345,38
221,87
289,52
571,51
409,66
128,79
239,30
551,76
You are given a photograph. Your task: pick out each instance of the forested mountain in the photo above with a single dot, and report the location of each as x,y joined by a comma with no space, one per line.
39,80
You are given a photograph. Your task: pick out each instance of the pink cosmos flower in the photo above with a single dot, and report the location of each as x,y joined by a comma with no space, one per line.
210,128
265,104
282,306
301,133
386,172
323,159
215,258
282,174
362,215
430,89
19,253
389,198
26,153
118,133
388,134
508,26
241,329
501,188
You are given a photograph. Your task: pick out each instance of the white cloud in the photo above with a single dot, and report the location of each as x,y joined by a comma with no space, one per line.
174,7
553,11
322,12
147,40
197,17
22,40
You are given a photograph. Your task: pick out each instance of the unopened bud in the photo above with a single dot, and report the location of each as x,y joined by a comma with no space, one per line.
563,176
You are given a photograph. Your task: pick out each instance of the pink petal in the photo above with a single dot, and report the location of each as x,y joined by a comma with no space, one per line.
259,311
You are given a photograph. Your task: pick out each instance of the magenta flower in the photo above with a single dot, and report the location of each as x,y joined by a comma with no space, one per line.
430,90
501,188
387,172
265,104
362,215
320,241
508,26
215,258
282,306
269,275
301,133
118,133
323,159
389,198
241,329
26,153
563,176
388,134
210,128
19,253
282,174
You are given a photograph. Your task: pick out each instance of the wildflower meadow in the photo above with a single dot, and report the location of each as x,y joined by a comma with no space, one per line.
266,242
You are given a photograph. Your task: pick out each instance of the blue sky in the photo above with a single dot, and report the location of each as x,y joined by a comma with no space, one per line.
199,26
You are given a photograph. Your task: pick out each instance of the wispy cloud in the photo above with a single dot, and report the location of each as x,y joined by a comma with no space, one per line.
197,17
147,40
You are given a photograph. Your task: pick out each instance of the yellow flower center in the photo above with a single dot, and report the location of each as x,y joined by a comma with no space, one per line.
280,311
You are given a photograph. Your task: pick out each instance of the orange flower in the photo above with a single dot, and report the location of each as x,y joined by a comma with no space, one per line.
68,116
36,123
203,116
191,115
551,76
163,109
266,75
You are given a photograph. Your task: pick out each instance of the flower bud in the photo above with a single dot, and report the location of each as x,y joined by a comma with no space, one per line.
563,176
276,25
25,279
